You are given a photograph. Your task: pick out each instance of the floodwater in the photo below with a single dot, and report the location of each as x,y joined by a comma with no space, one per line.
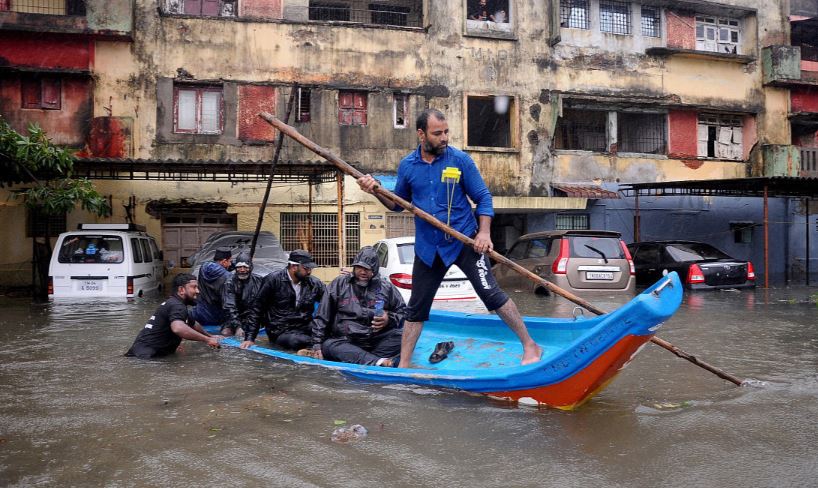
75,412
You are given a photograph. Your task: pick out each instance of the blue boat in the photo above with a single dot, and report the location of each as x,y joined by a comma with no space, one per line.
581,355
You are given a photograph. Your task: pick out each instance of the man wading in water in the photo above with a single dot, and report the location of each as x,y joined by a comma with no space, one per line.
440,180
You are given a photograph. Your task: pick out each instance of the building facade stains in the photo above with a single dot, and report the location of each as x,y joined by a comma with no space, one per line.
538,92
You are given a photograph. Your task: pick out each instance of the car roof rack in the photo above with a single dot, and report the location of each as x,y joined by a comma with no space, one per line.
136,227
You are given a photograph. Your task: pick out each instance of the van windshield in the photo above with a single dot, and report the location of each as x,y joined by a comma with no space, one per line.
89,248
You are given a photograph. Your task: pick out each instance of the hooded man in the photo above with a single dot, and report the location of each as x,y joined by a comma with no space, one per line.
285,304
362,315
238,294
170,323
212,275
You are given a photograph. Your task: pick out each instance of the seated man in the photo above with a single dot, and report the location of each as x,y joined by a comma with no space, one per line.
285,304
212,275
170,323
238,294
362,315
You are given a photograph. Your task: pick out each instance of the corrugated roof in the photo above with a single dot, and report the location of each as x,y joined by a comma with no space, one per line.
777,186
582,191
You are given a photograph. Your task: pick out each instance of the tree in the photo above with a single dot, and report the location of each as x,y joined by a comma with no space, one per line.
41,173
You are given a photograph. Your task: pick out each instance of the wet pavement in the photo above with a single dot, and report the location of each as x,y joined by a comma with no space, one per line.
75,412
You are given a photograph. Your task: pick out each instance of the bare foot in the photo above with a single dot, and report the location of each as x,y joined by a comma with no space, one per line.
531,354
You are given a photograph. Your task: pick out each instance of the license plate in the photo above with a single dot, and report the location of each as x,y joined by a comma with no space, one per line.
451,285
598,275
91,285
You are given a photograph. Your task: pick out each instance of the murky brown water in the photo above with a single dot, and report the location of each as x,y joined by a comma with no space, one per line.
74,411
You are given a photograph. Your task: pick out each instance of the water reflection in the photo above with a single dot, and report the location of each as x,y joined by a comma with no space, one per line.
74,411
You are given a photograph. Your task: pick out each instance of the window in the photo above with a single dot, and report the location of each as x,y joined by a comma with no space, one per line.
615,17
489,121
572,222
400,225
641,132
86,248
203,8
717,35
329,11
146,250
389,14
575,14
720,136
39,224
489,11
304,105
198,110
320,236
155,250
742,232
43,92
651,21
352,108
400,107
46,7
582,130
519,251
137,250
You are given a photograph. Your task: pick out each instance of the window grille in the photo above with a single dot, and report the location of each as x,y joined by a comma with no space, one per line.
295,234
575,14
400,225
641,132
39,223
46,7
330,11
572,222
304,105
615,17
389,14
651,21
488,126
400,108
582,130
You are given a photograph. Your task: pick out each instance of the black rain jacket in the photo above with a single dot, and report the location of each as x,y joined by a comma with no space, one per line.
347,308
276,307
237,299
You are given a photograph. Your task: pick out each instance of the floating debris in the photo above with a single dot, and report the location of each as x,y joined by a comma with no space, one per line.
345,435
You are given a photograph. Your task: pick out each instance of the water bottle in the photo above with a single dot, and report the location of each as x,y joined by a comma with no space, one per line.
378,308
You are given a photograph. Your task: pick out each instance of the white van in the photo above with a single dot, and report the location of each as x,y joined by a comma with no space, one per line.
105,260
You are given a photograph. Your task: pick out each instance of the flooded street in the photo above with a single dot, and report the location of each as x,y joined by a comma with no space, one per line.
75,412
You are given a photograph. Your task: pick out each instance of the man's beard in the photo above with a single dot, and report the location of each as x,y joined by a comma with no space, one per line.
434,150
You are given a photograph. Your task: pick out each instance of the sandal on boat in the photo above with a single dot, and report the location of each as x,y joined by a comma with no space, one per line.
442,350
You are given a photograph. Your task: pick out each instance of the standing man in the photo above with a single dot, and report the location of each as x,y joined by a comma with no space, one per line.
170,323
361,314
212,275
285,304
238,294
440,180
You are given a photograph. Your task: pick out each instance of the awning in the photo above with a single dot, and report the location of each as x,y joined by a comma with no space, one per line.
777,186
582,191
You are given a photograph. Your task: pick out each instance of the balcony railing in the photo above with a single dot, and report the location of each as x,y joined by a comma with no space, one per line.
44,7
387,15
809,162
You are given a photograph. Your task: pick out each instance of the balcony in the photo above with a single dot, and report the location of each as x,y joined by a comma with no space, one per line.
108,18
406,13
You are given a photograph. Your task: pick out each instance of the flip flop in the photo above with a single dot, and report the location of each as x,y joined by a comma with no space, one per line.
442,350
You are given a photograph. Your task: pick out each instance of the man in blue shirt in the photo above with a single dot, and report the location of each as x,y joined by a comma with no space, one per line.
440,180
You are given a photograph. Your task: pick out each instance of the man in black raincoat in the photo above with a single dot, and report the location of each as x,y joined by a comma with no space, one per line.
238,294
285,304
360,316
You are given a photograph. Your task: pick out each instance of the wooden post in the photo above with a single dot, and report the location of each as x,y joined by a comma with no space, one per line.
636,220
766,240
309,217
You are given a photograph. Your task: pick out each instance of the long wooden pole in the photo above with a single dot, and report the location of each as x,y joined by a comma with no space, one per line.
348,169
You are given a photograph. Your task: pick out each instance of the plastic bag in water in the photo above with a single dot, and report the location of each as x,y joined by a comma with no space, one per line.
345,435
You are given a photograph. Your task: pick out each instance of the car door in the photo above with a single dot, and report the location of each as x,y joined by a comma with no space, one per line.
647,261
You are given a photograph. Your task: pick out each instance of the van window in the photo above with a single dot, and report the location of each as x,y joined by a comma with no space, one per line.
137,250
596,247
146,250
99,248
155,249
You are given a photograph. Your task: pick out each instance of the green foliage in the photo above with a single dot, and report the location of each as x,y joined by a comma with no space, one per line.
46,171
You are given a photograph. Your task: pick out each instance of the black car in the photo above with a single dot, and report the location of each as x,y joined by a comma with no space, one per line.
700,266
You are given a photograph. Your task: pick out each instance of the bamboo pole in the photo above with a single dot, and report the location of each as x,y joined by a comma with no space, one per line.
348,169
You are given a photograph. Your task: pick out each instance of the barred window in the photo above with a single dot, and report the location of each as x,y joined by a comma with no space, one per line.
572,222
329,11
615,17
40,224
575,14
583,130
304,105
321,236
651,21
383,14
641,132
400,225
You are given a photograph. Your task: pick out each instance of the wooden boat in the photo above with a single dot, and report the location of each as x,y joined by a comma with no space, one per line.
582,355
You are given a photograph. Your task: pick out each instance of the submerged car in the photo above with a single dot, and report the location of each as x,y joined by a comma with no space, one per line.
396,257
269,255
700,265
574,260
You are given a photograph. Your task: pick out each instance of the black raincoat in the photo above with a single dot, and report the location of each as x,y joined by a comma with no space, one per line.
347,308
277,309
237,299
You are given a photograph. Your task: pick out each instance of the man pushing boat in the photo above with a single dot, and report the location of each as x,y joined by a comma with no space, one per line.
440,180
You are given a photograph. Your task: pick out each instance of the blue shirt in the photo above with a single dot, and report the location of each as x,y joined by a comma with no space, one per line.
420,183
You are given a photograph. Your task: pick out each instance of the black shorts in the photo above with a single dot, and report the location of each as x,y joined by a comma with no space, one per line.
426,281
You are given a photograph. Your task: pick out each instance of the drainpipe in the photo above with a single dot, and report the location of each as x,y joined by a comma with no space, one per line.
766,241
